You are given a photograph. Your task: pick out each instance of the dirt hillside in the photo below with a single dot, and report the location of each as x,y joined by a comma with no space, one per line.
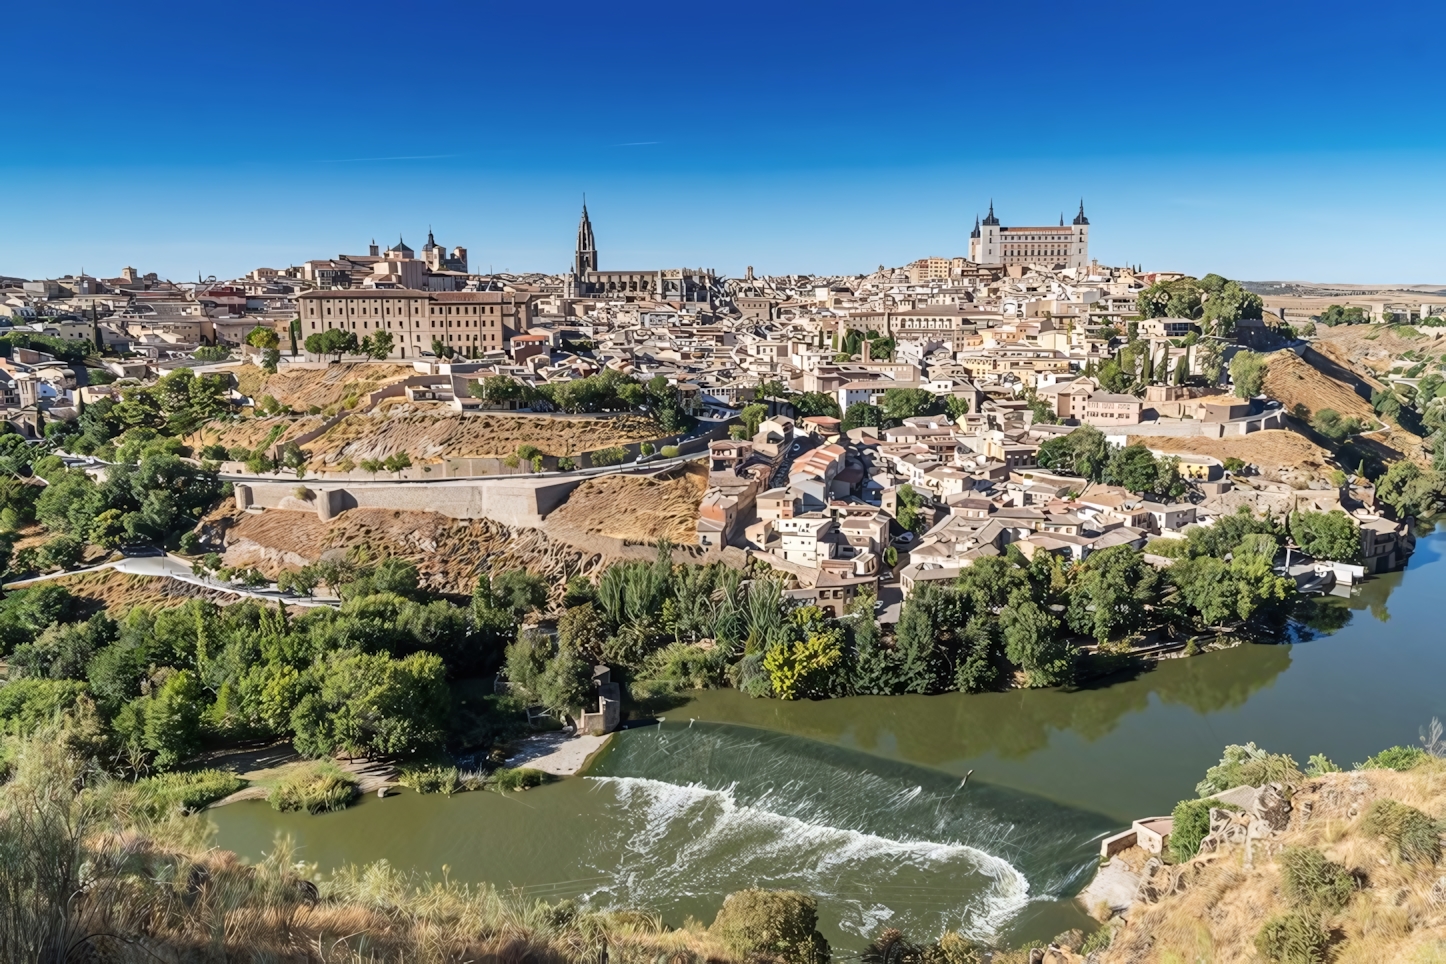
431,434
1292,381
1214,906
301,389
118,591
636,508
251,432
1374,349
449,553
1274,451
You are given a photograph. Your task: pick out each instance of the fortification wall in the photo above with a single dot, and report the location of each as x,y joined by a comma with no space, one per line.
518,503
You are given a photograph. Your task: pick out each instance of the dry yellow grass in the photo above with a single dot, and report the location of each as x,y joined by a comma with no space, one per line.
300,389
636,508
1292,381
1220,904
1272,450
429,434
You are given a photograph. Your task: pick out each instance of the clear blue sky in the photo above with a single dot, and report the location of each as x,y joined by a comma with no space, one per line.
1259,140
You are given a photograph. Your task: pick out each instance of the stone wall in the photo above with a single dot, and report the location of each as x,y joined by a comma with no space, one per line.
512,502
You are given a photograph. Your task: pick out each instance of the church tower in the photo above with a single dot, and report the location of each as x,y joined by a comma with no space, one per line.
1079,248
585,258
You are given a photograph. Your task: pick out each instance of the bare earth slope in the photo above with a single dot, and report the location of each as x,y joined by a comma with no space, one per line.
636,508
1215,905
301,388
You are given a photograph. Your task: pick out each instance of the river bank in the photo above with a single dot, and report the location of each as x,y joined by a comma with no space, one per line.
839,789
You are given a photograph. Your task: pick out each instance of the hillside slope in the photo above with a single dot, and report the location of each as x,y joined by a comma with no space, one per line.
1375,901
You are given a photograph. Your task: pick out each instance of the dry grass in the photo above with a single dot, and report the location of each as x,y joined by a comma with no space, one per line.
300,389
1274,450
636,508
118,591
430,434
449,553
82,877
1292,381
1220,904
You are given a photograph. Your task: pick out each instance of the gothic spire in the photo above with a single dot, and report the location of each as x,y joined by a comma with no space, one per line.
585,257
991,220
1080,217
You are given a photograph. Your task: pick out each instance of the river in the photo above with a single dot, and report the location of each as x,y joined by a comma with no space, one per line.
859,801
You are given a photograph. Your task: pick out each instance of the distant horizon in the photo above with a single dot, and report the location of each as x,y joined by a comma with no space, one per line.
1244,139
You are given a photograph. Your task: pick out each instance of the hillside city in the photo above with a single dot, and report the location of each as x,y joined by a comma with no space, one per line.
380,520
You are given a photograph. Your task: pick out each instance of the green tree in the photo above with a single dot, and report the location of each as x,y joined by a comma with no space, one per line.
861,414
909,503
1110,594
333,341
956,406
1032,642
752,416
902,403
371,704
815,403
1083,452
172,729
263,337
519,591
378,345
1327,535
1247,372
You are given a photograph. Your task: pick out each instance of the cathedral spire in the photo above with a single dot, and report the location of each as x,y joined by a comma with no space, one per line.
585,256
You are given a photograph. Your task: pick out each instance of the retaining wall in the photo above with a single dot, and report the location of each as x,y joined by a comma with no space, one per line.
512,502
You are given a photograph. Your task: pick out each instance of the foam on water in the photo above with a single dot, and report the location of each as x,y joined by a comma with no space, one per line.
706,810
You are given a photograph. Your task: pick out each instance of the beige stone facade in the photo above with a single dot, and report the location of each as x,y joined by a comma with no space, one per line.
470,322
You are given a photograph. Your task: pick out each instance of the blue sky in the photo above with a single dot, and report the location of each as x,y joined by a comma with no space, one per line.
1258,140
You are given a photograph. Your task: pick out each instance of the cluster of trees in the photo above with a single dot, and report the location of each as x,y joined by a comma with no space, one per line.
1247,373
881,348
66,349
1137,365
898,404
339,342
370,677
1216,302
607,391
1337,315
1085,453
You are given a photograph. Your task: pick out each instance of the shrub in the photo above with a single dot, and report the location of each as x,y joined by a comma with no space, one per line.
190,543
1319,765
1400,758
1248,766
527,452
434,779
518,778
670,451
613,455
160,795
646,448
566,464
1192,823
315,787
781,924
1293,938
1413,835
1314,883
1098,941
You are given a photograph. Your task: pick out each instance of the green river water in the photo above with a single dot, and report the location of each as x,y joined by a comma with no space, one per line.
858,801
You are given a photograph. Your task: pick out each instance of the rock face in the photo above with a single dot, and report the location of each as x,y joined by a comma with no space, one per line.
1272,806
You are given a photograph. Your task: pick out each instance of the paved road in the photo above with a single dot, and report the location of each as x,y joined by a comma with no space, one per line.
173,567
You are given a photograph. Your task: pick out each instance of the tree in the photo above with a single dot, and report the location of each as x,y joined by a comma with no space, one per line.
1083,452
1033,643
909,503
815,403
1110,593
333,341
395,463
1182,368
263,337
1326,535
1329,423
916,639
803,669
1247,371
956,406
520,591
773,924
1409,490
862,414
753,415
378,345
902,403
374,704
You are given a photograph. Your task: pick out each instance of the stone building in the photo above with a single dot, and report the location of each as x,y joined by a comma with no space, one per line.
587,280
1067,244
